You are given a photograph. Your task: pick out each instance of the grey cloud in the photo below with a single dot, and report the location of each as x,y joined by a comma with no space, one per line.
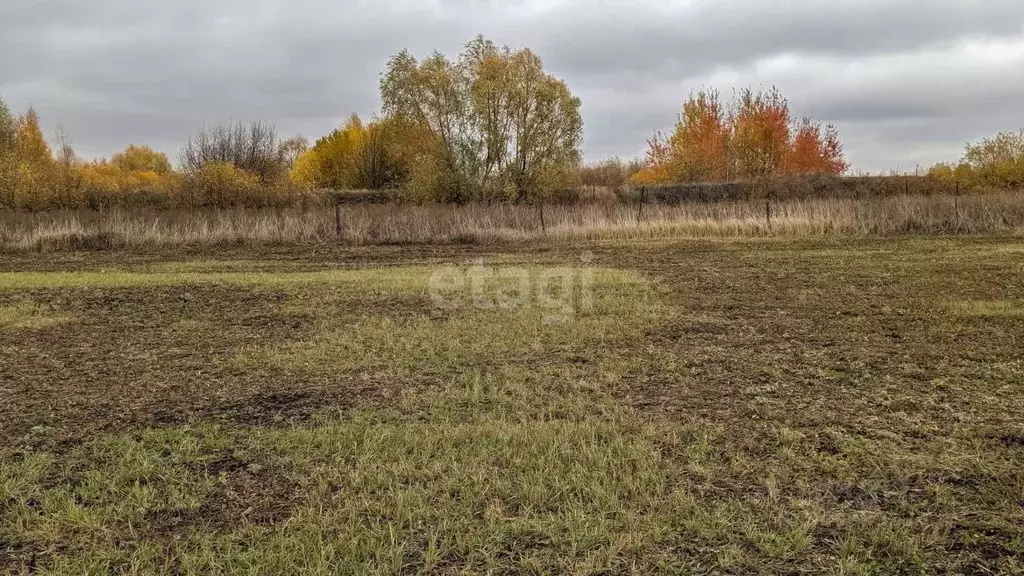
151,71
601,44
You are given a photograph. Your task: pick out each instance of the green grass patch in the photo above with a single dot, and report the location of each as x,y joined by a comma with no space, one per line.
30,316
990,308
500,324
360,497
374,493
380,278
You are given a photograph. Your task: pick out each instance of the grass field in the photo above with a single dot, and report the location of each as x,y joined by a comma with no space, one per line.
819,405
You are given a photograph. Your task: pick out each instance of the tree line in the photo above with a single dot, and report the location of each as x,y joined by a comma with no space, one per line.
490,125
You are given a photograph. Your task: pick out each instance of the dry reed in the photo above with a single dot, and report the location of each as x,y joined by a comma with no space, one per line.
400,224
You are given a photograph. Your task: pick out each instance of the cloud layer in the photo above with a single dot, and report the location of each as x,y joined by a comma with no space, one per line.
906,82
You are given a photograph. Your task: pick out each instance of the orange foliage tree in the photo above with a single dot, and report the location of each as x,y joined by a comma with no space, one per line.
657,162
754,137
816,150
701,139
760,141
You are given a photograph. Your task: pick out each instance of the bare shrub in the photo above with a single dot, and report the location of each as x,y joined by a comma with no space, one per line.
254,148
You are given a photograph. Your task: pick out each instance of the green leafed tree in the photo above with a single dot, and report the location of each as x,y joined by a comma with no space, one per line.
502,126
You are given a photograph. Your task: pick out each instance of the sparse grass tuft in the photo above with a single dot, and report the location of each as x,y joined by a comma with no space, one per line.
991,308
29,316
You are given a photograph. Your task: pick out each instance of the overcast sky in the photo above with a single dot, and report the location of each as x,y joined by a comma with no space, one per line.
907,81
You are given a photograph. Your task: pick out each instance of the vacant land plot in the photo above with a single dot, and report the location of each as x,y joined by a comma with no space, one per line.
690,407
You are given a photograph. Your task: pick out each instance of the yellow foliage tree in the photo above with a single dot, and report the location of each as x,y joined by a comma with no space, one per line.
32,146
222,184
141,159
996,162
35,163
333,162
138,175
374,156
305,170
8,156
108,184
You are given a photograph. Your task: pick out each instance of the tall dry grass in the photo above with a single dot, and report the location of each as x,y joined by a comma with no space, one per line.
397,224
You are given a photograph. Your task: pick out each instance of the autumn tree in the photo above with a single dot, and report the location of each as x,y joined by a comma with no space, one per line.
106,183
753,137
390,147
547,128
8,155
816,150
224,184
698,146
500,125
357,155
142,159
429,94
996,162
657,163
333,161
138,175
760,139
305,170
32,146
35,162
8,129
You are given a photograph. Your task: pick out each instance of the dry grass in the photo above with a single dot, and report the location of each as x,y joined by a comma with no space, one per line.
407,224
